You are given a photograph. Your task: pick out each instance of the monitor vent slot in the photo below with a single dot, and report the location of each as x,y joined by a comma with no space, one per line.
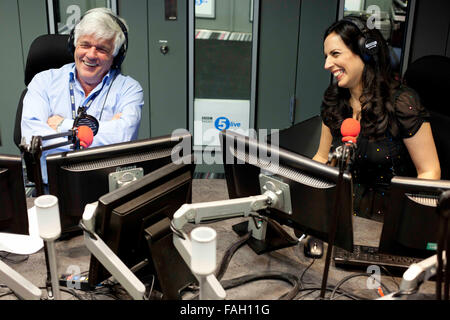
429,201
278,169
120,161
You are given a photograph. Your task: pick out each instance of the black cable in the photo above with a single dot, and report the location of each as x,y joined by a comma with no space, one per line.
107,94
232,283
392,276
306,294
7,254
7,294
345,279
72,292
229,254
269,275
304,271
329,288
176,231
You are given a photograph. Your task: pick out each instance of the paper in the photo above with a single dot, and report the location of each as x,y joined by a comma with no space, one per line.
22,244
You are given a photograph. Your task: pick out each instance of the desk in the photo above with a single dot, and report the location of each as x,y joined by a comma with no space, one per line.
72,254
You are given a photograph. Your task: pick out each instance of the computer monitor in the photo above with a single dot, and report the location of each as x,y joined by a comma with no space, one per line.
312,186
134,221
13,205
81,177
411,223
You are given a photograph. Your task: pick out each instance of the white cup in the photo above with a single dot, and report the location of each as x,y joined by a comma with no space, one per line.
203,260
47,212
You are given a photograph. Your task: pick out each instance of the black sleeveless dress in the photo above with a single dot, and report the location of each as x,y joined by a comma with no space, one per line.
377,161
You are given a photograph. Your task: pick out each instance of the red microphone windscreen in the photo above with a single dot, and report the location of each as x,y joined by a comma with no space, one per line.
350,128
85,135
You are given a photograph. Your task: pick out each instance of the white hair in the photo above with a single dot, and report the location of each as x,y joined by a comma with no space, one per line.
100,23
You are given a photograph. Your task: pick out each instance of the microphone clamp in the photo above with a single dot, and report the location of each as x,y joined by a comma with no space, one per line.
343,154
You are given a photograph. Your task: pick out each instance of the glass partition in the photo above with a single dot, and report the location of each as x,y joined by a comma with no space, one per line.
394,20
222,68
64,14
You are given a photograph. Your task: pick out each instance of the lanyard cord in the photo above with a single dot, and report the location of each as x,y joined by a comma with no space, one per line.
107,94
90,99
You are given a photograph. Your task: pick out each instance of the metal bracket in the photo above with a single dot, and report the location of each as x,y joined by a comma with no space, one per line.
280,189
121,178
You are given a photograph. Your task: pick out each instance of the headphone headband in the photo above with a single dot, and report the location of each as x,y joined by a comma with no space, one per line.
118,59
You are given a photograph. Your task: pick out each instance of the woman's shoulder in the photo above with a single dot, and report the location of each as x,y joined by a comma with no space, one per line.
409,111
403,93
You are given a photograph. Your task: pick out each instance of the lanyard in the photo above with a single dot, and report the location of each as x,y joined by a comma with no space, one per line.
72,97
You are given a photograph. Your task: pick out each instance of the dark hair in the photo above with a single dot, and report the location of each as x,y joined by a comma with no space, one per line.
378,85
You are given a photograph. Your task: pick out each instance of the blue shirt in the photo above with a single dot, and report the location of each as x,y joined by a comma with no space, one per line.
48,95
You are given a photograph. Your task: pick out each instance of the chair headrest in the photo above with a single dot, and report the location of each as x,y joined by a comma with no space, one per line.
46,52
430,77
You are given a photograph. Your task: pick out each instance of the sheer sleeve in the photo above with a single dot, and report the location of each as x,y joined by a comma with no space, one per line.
410,113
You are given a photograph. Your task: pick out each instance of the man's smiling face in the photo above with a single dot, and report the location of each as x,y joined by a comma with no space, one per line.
93,59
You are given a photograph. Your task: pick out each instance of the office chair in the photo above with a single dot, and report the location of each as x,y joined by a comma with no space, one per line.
302,138
429,76
46,52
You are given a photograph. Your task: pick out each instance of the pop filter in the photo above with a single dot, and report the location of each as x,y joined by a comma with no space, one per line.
84,119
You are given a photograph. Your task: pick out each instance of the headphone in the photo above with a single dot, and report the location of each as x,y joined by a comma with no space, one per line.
368,45
118,59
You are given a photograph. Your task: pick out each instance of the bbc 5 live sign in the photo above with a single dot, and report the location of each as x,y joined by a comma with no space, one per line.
214,115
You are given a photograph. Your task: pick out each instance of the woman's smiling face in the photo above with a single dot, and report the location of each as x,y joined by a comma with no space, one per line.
345,65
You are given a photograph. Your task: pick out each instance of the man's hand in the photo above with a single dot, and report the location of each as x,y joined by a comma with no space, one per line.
117,116
54,121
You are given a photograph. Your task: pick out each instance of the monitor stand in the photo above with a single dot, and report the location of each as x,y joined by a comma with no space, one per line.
173,275
273,240
23,288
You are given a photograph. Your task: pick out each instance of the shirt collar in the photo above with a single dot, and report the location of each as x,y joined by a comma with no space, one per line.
106,79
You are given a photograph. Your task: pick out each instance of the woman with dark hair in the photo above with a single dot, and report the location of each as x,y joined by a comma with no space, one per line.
395,137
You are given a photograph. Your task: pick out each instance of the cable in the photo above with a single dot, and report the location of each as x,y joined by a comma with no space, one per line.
72,292
232,283
269,275
354,297
7,254
7,294
392,277
229,254
354,276
306,269
107,94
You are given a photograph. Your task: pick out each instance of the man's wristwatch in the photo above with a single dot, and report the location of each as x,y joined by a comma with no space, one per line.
58,127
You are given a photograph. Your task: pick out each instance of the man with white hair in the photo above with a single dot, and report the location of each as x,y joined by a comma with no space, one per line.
94,82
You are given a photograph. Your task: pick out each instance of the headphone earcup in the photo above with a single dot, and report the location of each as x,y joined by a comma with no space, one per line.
70,42
368,47
118,59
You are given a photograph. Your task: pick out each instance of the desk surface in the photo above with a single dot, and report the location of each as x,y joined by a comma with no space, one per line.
72,255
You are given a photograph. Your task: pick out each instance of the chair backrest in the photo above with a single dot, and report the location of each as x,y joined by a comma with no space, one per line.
430,77
302,138
46,52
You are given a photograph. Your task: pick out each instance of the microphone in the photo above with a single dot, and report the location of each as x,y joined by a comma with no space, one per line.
82,136
350,129
84,128
84,119
85,135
